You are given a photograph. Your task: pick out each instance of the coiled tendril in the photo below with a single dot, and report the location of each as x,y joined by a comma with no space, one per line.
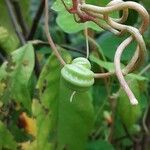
87,12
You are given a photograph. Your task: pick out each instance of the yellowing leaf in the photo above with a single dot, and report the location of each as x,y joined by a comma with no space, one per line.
28,123
28,145
16,74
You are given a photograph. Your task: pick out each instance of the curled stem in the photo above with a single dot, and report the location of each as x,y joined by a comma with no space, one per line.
87,41
119,74
87,12
133,64
50,40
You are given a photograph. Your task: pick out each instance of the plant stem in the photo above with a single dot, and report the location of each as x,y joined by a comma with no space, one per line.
20,35
19,16
86,39
69,48
14,22
119,74
36,20
50,40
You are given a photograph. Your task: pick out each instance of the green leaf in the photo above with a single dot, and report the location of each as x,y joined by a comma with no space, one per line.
49,78
6,139
7,41
103,3
16,75
99,145
99,98
118,127
110,67
107,65
25,9
33,146
4,17
109,43
5,21
75,122
129,114
48,86
66,21
43,131
146,3
43,126
137,77
99,3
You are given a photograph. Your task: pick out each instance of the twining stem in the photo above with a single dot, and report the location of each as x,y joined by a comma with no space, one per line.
96,14
103,75
109,8
141,48
50,40
36,20
15,22
120,6
19,16
140,9
86,39
20,35
119,74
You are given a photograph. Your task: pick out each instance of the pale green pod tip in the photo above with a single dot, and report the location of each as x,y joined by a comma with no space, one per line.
82,61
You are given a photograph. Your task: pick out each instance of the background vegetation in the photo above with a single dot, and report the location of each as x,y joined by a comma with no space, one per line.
35,111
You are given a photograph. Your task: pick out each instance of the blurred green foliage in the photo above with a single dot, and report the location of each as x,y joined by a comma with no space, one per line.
94,120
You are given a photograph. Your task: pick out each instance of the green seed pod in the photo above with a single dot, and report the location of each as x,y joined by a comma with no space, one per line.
78,75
